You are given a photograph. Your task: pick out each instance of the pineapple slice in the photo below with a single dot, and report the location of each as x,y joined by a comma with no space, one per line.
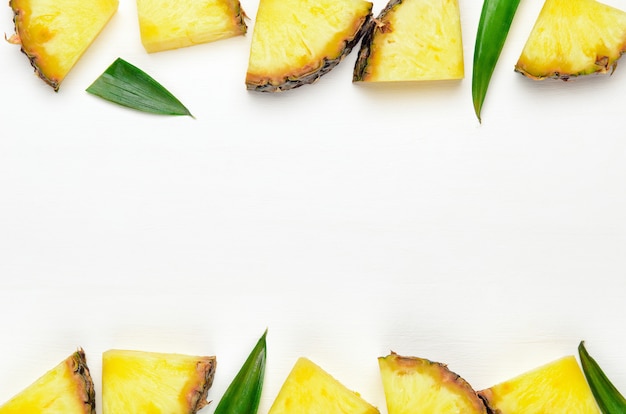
417,385
311,390
172,24
151,382
572,38
54,34
413,40
296,41
67,388
557,387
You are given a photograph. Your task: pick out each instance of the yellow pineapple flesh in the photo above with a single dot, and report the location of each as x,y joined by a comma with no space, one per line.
172,24
67,389
295,42
572,38
418,385
557,387
311,390
413,40
54,34
152,382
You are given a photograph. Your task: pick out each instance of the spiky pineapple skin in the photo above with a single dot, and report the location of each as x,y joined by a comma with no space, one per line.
313,71
144,372
40,398
379,27
367,39
19,17
604,57
442,389
325,66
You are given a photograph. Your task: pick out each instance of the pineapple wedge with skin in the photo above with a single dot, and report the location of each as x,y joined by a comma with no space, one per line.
67,389
557,387
311,390
573,38
413,40
418,385
155,383
295,42
54,34
172,24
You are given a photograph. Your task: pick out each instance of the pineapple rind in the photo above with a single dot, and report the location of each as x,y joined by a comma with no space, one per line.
556,387
66,389
167,24
415,384
412,40
311,390
55,34
295,42
573,38
152,382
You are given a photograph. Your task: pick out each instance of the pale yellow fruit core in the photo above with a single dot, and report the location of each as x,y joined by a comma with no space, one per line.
172,24
558,387
56,33
149,382
416,385
418,40
573,37
60,390
293,38
309,389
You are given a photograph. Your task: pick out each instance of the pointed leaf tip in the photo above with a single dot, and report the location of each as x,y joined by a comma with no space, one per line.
609,399
244,393
127,85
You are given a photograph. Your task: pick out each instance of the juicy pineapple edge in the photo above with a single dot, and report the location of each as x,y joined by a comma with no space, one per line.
167,25
310,389
558,386
295,77
396,372
185,381
572,38
69,384
33,44
380,26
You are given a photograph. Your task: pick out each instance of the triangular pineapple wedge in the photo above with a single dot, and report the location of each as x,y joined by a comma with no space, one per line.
311,390
557,387
54,34
294,42
413,40
417,385
573,38
67,388
152,382
172,24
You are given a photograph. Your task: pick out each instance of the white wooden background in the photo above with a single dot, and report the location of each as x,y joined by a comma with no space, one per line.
350,220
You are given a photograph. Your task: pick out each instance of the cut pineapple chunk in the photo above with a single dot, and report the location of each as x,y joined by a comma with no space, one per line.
572,38
413,40
311,390
557,387
296,41
417,385
54,34
172,24
151,382
67,388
